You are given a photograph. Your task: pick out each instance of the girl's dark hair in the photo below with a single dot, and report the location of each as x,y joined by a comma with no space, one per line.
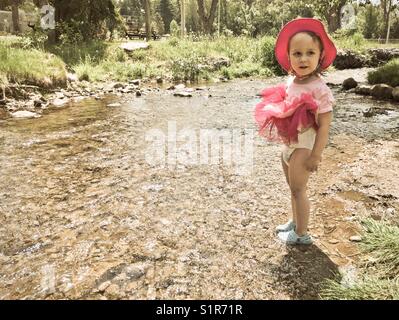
316,38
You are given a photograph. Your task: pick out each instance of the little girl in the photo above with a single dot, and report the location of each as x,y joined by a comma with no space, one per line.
299,114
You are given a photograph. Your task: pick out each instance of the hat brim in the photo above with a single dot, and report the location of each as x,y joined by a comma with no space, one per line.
299,25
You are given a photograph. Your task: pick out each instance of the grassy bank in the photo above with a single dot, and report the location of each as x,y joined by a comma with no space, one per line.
388,73
30,66
378,278
174,59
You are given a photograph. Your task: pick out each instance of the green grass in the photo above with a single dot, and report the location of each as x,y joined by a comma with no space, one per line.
388,73
382,241
379,277
177,59
368,288
30,66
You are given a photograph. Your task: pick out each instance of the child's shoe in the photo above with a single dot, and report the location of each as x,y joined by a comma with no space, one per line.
291,237
290,225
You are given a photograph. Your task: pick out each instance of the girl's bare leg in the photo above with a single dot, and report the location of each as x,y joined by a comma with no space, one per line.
298,177
285,168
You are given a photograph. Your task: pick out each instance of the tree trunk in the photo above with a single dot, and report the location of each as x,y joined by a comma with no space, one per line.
15,16
147,19
207,21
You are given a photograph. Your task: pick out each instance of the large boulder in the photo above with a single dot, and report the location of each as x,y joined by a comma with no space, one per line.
350,60
380,56
132,46
349,83
382,91
363,90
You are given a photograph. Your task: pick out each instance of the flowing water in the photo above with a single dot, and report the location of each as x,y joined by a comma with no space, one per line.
83,214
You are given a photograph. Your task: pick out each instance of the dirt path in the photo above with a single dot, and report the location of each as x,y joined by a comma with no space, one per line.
83,215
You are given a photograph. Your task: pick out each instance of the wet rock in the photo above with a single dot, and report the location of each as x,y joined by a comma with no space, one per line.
349,83
382,91
136,82
179,86
25,114
159,80
37,103
119,85
355,238
111,105
381,55
59,102
363,90
349,60
183,94
374,111
395,94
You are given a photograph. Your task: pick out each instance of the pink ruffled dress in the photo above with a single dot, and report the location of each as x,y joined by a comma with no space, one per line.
288,109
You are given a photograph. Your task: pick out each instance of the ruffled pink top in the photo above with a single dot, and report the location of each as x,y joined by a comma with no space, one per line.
287,109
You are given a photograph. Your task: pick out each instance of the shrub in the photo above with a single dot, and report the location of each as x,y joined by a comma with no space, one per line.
388,73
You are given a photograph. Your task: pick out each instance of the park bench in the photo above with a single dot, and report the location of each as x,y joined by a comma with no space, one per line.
131,34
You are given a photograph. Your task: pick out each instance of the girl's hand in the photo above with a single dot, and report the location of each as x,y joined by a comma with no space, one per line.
312,162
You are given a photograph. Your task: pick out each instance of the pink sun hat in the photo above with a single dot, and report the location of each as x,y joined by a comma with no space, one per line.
298,25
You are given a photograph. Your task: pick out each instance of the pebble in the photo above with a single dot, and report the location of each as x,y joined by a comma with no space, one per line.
111,105
25,114
102,287
355,238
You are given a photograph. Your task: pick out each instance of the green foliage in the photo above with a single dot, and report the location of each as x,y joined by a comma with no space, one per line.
367,288
378,278
166,10
31,66
368,21
382,241
348,39
388,74
174,29
188,67
267,56
85,19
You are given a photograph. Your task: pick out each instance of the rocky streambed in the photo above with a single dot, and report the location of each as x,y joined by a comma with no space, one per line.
84,215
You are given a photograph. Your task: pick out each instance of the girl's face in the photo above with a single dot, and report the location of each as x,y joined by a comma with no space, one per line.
304,53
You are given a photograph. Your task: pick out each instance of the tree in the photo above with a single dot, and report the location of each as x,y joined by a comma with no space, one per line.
330,11
207,19
147,9
88,18
387,7
15,16
165,9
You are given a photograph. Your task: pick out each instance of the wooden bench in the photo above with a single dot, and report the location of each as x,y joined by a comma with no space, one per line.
141,35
